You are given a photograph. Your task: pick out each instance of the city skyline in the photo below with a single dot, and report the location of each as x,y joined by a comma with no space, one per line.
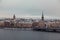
30,8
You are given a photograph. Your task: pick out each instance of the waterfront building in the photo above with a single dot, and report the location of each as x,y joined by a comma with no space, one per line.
40,24
24,24
53,24
2,24
6,24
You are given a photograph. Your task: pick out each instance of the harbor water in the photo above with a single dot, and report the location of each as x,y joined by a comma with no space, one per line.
27,34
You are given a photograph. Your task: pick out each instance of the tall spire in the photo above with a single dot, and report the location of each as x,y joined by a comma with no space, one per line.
42,16
14,16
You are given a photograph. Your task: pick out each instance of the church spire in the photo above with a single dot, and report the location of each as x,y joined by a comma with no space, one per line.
14,16
42,16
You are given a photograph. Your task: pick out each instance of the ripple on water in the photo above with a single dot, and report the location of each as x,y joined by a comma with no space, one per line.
17,34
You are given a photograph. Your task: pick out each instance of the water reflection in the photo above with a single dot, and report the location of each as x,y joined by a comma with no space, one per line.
19,34
19,29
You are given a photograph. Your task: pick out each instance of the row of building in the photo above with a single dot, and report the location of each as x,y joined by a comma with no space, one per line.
47,24
16,23
29,23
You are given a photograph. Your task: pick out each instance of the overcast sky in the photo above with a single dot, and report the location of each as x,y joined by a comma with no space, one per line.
27,8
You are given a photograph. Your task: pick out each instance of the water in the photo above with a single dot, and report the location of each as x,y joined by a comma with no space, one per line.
18,34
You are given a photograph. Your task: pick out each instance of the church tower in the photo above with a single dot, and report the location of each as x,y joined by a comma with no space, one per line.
42,18
14,16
